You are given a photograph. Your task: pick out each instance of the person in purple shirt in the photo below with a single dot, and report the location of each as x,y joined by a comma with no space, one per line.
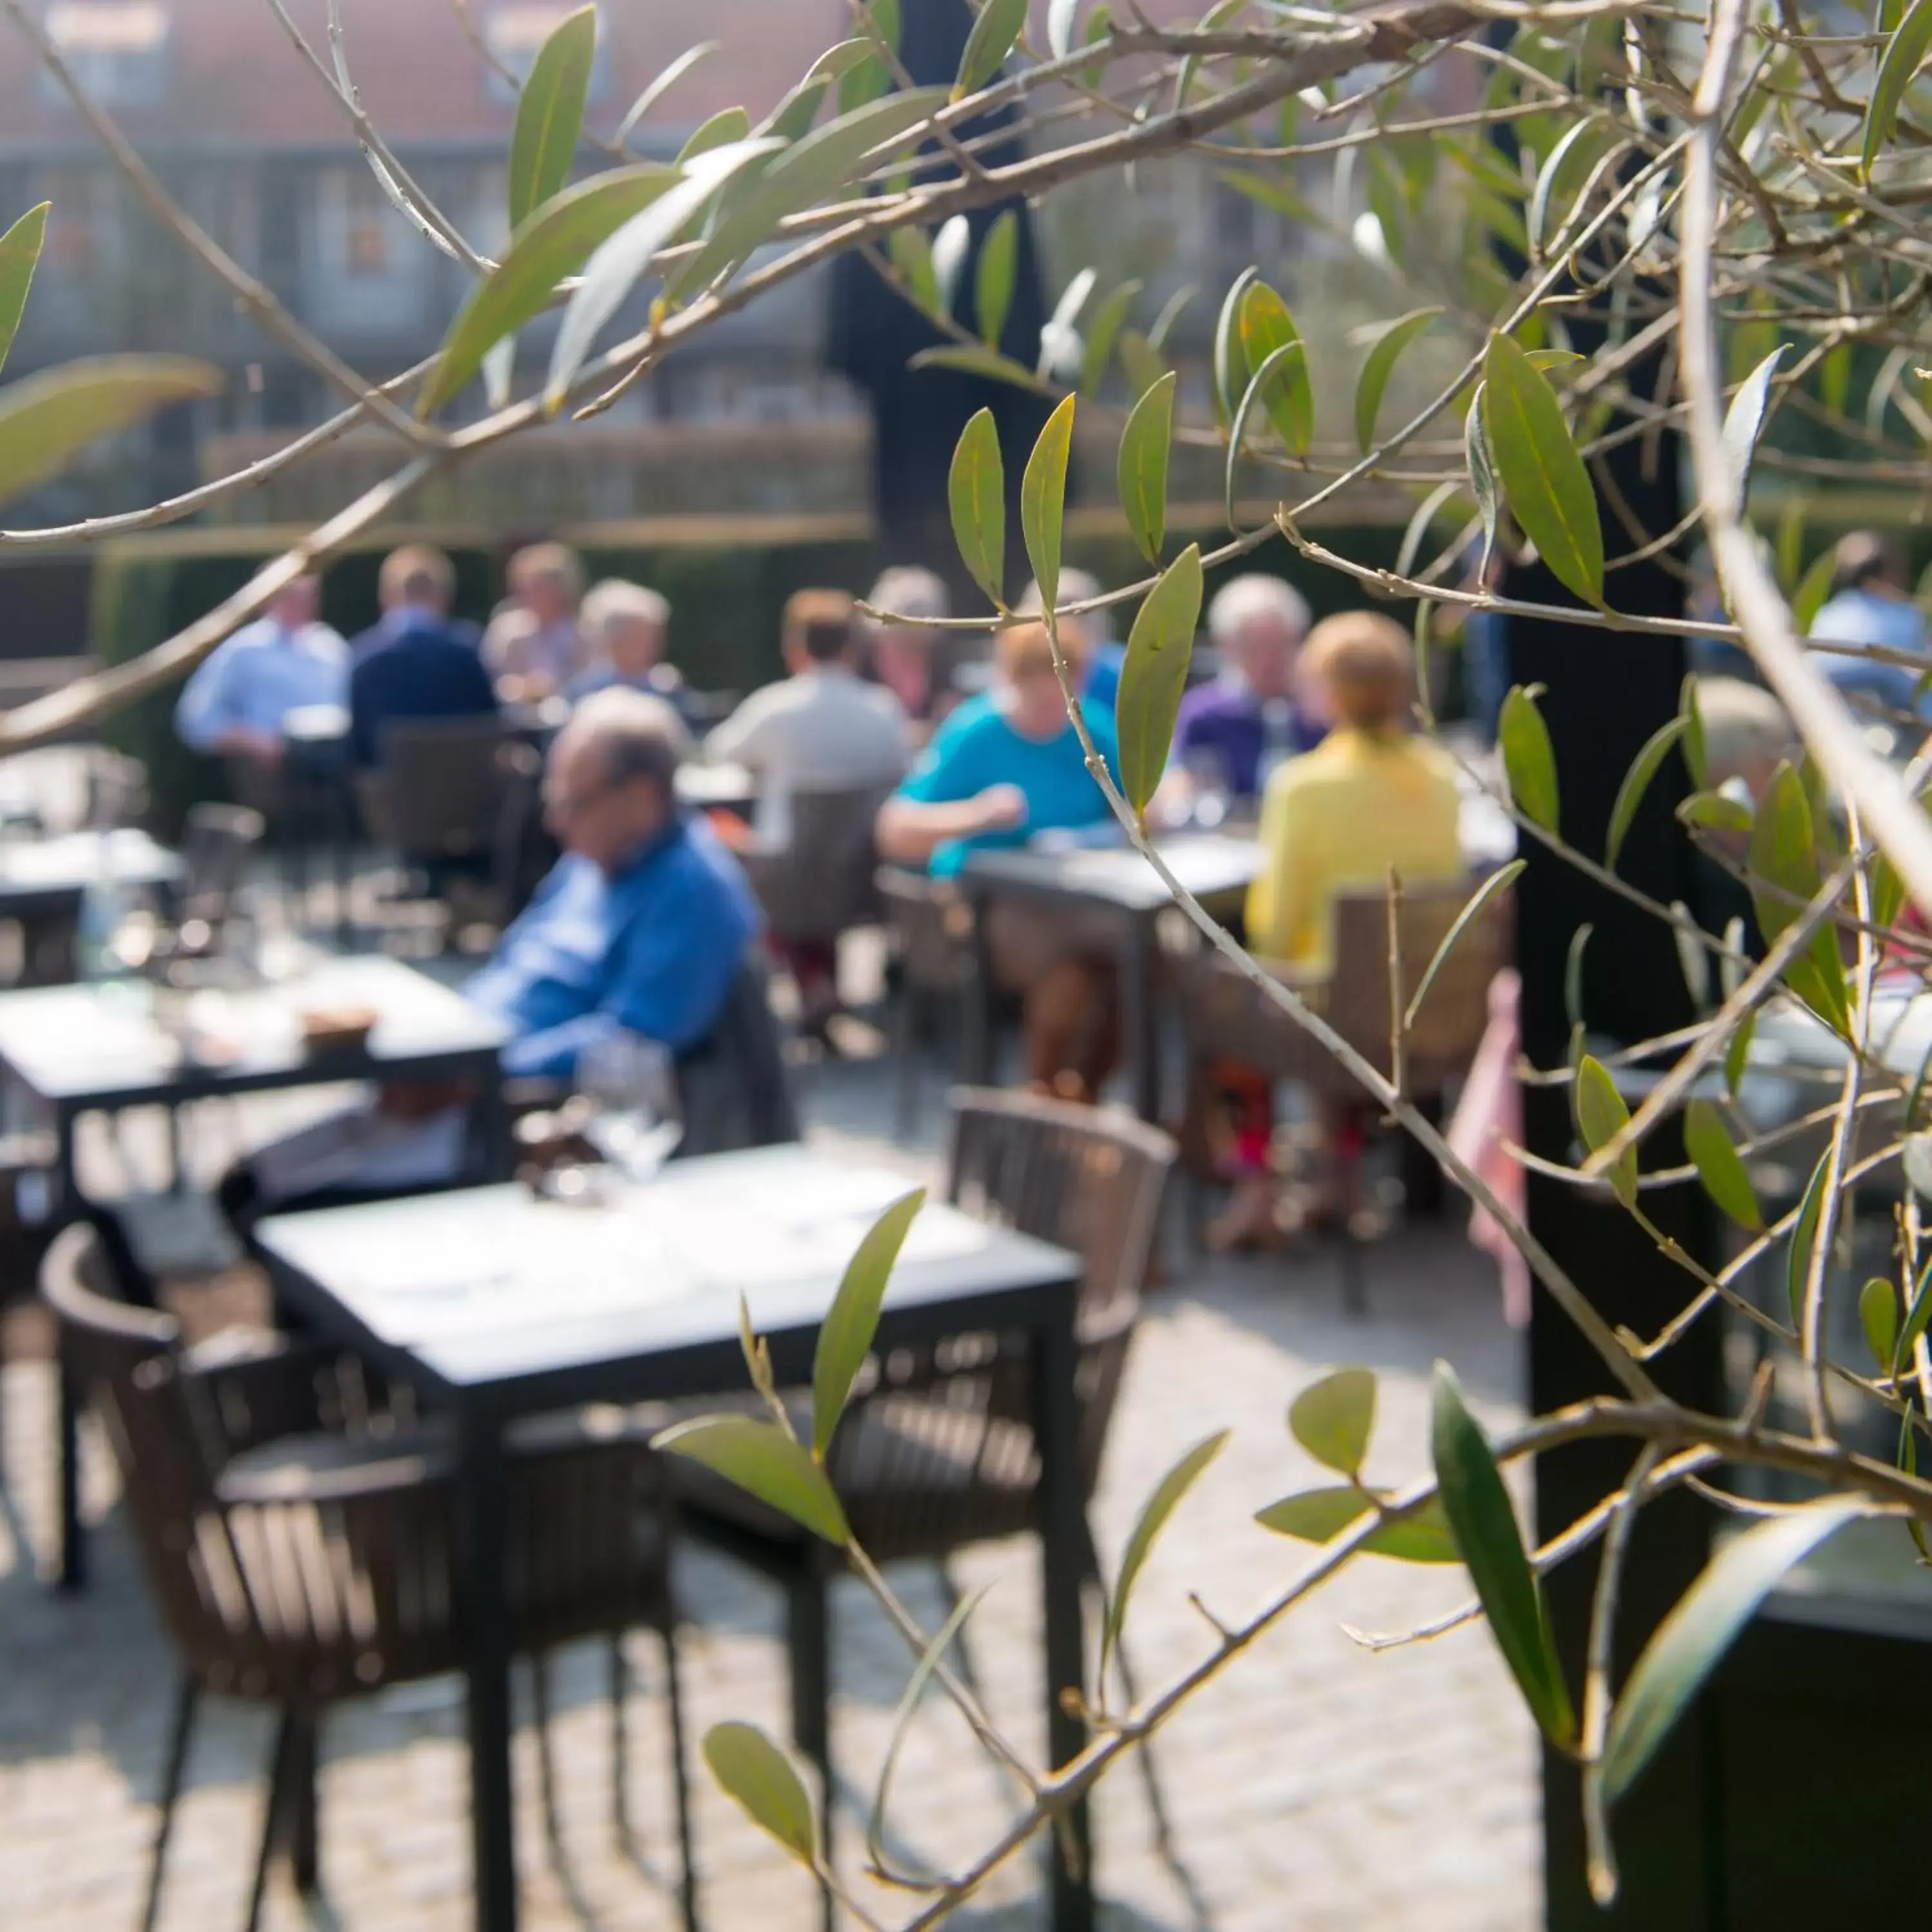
1231,734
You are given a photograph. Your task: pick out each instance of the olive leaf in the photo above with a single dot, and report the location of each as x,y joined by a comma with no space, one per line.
1643,768
656,91
1288,394
1166,1498
1719,1168
1904,55
555,242
1482,478
1744,423
993,278
1878,1316
1497,882
1334,1419
550,113
1229,371
51,416
19,252
764,1462
729,124
1697,758
1601,1115
1543,476
977,489
1783,865
1691,1641
1142,466
1103,330
1043,500
845,1338
751,1770
1804,1240
1529,760
1271,374
1477,1509
866,79
1159,648
1379,366
994,35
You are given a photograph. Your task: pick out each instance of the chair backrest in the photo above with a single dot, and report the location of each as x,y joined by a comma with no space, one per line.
1443,1037
524,850
127,1360
1085,1178
821,884
443,783
932,926
735,1090
939,1450
216,843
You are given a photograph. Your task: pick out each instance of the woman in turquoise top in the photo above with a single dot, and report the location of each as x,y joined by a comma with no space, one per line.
1002,769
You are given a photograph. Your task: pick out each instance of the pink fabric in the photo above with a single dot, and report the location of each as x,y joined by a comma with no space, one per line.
1489,1114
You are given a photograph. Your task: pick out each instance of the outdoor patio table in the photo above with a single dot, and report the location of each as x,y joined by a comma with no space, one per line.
1216,868
85,1048
497,1305
43,880
1115,880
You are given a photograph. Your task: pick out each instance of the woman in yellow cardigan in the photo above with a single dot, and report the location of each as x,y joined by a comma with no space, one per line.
1369,797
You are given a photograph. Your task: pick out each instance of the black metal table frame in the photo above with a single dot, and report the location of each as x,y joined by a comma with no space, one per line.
1044,1309
194,1082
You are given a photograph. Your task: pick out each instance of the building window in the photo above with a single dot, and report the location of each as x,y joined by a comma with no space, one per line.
515,32
363,235
117,50
73,243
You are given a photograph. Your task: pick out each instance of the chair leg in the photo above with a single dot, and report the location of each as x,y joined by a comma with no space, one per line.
808,1638
546,1766
687,1864
187,1698
303,1806
905,1046
620,1744
279,1767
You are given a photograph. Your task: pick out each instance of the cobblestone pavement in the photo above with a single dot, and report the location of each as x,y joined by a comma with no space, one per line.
1315,1786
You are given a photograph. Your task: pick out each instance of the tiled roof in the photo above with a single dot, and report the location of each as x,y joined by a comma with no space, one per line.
231,76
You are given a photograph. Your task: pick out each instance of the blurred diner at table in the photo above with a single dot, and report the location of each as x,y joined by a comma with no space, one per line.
641,928
916,660
237,703
1233,732
625,627
416,663
1007,768
535,646
1371,798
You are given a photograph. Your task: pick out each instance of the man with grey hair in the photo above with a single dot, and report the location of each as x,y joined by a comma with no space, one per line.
1232,733
641,928
913,660
624,627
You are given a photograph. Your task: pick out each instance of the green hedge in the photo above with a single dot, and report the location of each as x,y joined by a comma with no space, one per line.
725,603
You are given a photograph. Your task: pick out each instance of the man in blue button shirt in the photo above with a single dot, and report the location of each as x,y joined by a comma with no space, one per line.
642,927
235,704
415,664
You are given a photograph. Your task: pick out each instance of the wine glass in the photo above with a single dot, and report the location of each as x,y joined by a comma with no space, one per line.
1211,790
634,1120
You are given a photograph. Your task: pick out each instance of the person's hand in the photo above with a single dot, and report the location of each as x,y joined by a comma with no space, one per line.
1001,807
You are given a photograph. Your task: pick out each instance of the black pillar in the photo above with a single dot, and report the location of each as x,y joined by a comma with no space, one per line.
917,414
1606,693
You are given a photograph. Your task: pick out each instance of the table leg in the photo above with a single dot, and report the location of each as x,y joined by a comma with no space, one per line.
1063,1543
1139,1018
977,1047
482,1500
70,1552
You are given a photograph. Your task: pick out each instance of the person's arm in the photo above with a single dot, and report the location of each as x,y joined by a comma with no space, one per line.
740,739
208,716
911,829
669,982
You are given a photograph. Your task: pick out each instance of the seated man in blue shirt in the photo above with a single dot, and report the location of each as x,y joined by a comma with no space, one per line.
234,705
416,663
642,927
